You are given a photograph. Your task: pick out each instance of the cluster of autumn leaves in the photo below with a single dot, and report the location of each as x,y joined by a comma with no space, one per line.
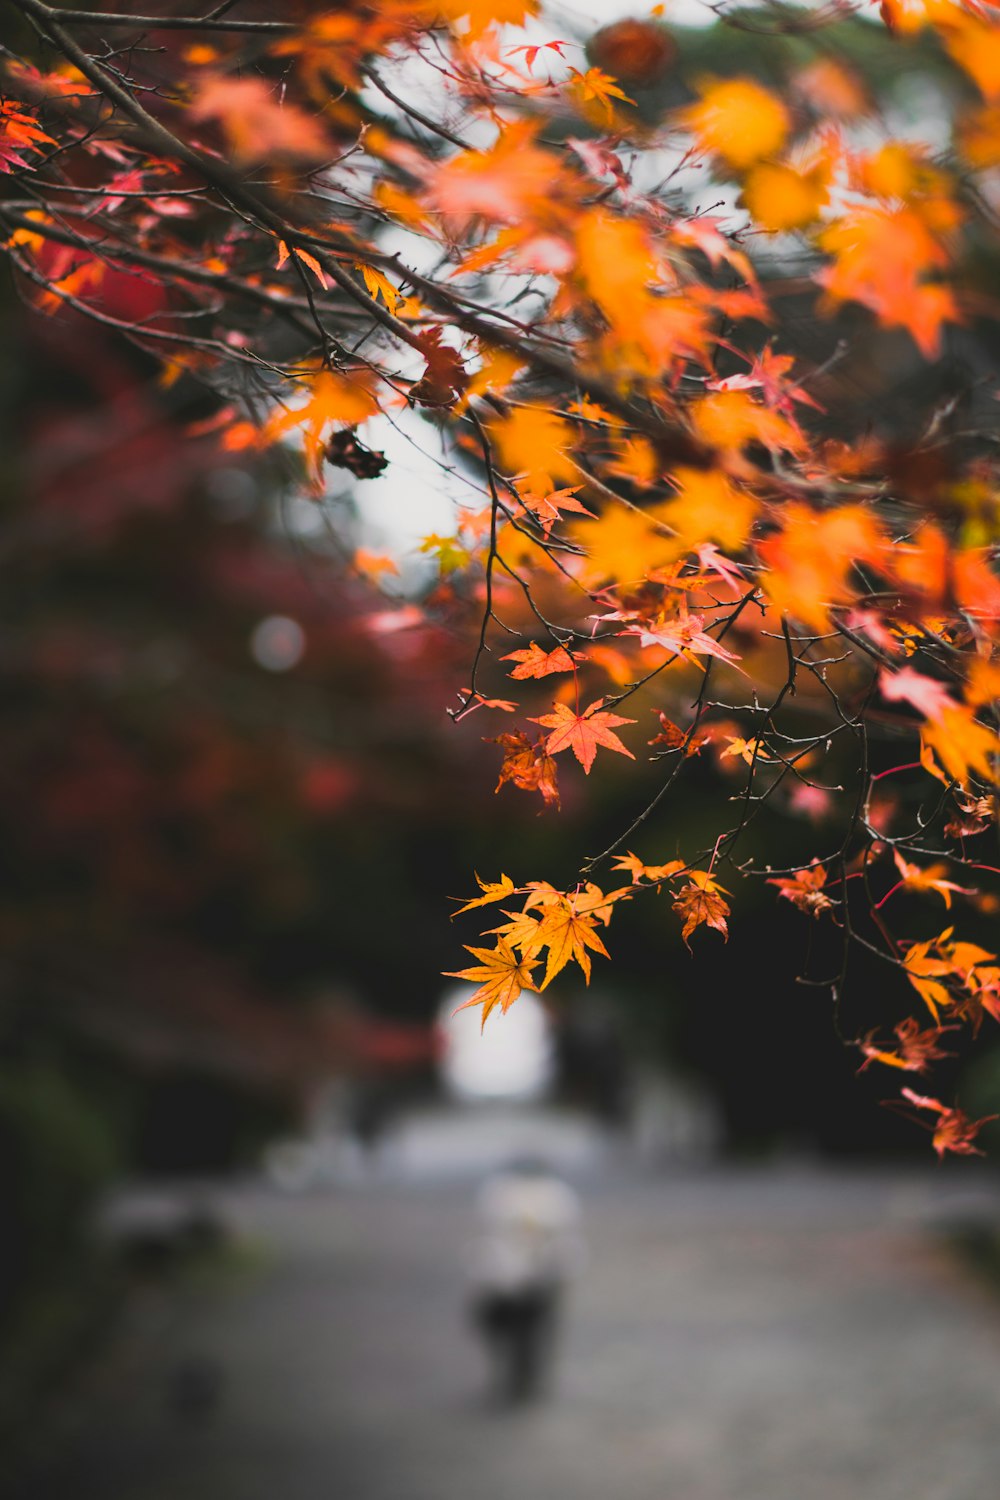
647,523
564,926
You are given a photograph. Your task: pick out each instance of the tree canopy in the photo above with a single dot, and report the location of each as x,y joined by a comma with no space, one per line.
702,324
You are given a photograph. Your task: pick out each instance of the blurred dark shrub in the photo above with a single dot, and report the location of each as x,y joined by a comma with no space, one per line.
56,1153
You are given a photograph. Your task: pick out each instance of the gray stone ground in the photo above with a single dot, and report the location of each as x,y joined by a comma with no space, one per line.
769,1333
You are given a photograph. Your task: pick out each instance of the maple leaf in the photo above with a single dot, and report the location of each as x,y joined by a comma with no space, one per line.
926,694
927,974
379,285
751,751
708,507
449,551
583,733
812,557
917,1048
568,934
535,444
624,545
529,767
975,815
506,184
634,865
738,120
479,16
332,398
445,377
701,902
521,932
732,419
256,124
954,1130
674,738
882,258
805,889
492,891
962,744
616,260
534,662
19,132
597,87
779,198
503,975
548,509
930,878
681,636
305,258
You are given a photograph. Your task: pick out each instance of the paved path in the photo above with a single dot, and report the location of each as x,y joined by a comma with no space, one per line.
762,1334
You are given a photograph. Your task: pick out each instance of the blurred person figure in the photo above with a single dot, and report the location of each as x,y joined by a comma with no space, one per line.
528,1247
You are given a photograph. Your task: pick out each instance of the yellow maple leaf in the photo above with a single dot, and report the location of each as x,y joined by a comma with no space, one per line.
779,198
492,891
737,120
502,975
379,285
962,744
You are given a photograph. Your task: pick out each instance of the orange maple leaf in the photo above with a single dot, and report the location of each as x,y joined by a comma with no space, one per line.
634,865
534,662
954,1130
503,975
528,767
305,258
332,398
19,132
597,87
804,889
810,560
534,445
927,974
780,198
567,933
548,509
701,902
882,258
928,878
583,733
478,16
917,1048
